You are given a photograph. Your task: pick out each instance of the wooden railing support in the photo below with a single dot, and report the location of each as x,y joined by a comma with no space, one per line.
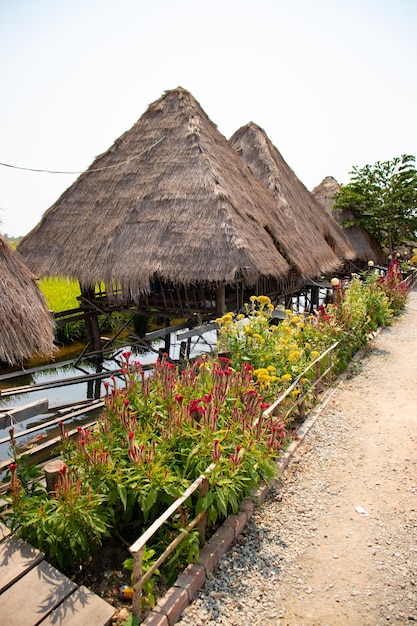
137,583
202,491
136,549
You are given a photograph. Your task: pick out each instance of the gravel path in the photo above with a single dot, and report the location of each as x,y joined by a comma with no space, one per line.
335,543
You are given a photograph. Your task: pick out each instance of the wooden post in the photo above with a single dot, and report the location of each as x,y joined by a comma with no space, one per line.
167,343
52,471
314,302
318,374
301,407
137,589
92,326
221,299
202,491
330,368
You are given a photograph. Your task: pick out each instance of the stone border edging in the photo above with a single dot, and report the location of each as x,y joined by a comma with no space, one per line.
185,589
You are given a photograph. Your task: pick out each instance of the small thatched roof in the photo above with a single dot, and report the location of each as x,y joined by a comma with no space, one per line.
365,247
170,200
320,236
27,327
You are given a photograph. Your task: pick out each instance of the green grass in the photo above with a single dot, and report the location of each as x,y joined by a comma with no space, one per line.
60,293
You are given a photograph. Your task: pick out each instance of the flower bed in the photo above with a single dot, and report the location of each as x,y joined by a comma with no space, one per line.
159,433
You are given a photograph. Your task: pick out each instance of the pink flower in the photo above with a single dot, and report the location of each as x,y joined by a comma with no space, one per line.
216,453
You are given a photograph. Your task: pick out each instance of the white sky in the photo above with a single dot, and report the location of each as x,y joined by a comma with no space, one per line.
332,82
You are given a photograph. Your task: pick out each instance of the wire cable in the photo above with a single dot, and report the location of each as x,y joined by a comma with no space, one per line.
97,169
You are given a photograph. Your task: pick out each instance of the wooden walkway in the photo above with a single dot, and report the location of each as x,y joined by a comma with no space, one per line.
33,592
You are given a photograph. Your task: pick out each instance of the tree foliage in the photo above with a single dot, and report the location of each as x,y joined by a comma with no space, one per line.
382,198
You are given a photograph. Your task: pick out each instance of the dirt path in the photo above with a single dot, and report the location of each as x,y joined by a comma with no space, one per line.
335,544
352,565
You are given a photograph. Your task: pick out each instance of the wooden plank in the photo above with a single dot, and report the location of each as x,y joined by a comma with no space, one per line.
49,444
95,405
34,596
4,531
34,370
16,558
62,382
80,608
163,332
197,331
21,413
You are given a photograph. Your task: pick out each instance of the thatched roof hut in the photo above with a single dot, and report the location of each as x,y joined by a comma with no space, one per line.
365,247
320,237
169,204
27,327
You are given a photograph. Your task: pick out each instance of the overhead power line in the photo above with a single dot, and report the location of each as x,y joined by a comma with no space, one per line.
98,169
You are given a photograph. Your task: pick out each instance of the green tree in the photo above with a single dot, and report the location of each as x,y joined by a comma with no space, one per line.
382,198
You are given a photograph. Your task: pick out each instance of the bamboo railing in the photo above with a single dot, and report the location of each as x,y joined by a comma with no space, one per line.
322,371
136,549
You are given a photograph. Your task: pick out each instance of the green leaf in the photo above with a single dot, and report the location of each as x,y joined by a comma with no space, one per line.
121,489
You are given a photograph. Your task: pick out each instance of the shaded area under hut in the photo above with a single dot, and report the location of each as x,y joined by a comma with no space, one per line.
364,245
27,326
171,222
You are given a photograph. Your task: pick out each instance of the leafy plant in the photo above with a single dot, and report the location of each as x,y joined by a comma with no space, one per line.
148,559
159,433
383,198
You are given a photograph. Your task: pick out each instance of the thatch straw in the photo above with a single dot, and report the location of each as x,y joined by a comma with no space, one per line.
27,327
364,245
169,200
320,237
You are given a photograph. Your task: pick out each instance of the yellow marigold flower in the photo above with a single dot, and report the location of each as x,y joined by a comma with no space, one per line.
286,377
295,319
288,312
294,356
264,300
271,307
295,393
240,316
272,369
307,345
315,355
253,298
283,341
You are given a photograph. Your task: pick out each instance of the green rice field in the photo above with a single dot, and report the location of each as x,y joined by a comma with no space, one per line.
60,293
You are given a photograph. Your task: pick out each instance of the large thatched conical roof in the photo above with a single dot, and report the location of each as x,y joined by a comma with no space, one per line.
26,325
170,199
319,235
365,247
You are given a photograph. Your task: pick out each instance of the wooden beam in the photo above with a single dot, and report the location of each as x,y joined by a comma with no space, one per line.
163,332
19,414
198,330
